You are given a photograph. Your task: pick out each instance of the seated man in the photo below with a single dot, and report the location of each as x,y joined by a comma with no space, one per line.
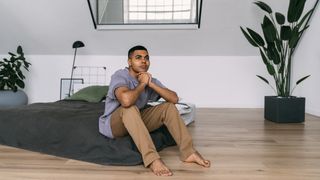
130,90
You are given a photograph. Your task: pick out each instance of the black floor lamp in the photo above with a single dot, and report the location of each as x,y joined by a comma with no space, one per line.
76,45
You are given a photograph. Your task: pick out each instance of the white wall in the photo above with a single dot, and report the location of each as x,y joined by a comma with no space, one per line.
307,61
205,81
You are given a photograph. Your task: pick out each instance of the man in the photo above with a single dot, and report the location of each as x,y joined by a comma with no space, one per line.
130,90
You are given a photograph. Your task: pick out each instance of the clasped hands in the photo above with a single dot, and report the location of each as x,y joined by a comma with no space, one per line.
145,78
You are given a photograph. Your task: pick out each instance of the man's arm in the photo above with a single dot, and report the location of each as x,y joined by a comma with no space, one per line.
128,97
165,93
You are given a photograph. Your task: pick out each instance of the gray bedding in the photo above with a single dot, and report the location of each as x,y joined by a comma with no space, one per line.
70,129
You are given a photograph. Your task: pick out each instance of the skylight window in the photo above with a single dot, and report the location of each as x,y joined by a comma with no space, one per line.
146,14
153,11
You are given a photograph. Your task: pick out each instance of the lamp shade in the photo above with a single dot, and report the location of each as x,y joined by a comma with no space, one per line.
77,44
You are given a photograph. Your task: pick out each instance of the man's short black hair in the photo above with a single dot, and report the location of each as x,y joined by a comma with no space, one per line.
135,48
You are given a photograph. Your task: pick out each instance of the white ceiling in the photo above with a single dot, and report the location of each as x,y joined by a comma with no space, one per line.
51,26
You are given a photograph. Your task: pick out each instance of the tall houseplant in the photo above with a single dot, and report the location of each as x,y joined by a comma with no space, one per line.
11,78
281,35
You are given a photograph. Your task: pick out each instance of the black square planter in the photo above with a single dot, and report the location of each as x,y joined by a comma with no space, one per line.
284,109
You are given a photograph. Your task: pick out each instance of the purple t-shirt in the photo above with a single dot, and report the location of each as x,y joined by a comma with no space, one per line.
122,78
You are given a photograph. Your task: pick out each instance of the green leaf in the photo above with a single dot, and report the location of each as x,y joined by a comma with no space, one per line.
26,64
20,83
270,69
285,33
279,44
302,31
19,50
294,37
302,79
21,58
11,54
21,76
256,37
280,18
295,10
264,57
273,52
248,37
309,13
269,31
264,6
263,79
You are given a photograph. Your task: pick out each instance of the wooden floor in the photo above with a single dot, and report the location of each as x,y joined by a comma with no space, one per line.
240,144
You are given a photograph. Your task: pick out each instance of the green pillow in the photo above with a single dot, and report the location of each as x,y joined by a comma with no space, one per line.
91,93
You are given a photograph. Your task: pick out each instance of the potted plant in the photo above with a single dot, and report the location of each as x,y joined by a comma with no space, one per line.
11,79
281,34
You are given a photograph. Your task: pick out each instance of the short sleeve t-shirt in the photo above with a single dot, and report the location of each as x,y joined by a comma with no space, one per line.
122,78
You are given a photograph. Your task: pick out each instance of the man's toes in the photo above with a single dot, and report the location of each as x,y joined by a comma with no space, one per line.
166,173
207,163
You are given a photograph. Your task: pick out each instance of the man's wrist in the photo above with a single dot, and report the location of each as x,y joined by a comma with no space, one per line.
143,84
151,84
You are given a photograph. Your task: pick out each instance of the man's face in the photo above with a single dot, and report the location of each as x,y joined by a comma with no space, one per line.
139,61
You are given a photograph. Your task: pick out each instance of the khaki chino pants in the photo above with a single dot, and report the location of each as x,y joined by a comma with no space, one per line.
138,124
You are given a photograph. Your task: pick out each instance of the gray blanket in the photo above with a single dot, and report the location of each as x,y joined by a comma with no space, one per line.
70,129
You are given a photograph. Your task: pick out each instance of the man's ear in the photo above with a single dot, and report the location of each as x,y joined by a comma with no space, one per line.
129,61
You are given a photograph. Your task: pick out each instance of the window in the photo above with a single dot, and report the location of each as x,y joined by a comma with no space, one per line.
146,14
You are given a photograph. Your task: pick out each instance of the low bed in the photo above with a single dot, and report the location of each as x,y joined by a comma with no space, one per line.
69,128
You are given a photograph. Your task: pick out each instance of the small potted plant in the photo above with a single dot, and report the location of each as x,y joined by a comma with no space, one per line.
281,35
11,79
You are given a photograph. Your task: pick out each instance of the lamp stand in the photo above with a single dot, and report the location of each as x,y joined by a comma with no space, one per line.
74,59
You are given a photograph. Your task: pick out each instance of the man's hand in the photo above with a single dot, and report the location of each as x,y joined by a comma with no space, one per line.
165,93
144,78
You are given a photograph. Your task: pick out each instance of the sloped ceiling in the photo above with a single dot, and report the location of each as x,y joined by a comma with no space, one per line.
49,27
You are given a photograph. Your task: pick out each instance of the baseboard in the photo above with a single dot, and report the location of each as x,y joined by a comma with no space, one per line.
313,112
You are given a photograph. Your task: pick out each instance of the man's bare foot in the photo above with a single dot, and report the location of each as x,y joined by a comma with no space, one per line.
197,158
159,168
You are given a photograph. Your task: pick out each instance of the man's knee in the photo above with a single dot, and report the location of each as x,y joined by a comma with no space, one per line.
130,110
169,106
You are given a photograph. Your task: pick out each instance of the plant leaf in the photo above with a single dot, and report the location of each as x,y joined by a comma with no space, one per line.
309,13
269,30
20,83
263,79
295,10
273,52
264,6
11,54
302,79
279,44
264,57
285,33
280,18
21,76
256,37
19,50
302,31
294,37
248,37
270,69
